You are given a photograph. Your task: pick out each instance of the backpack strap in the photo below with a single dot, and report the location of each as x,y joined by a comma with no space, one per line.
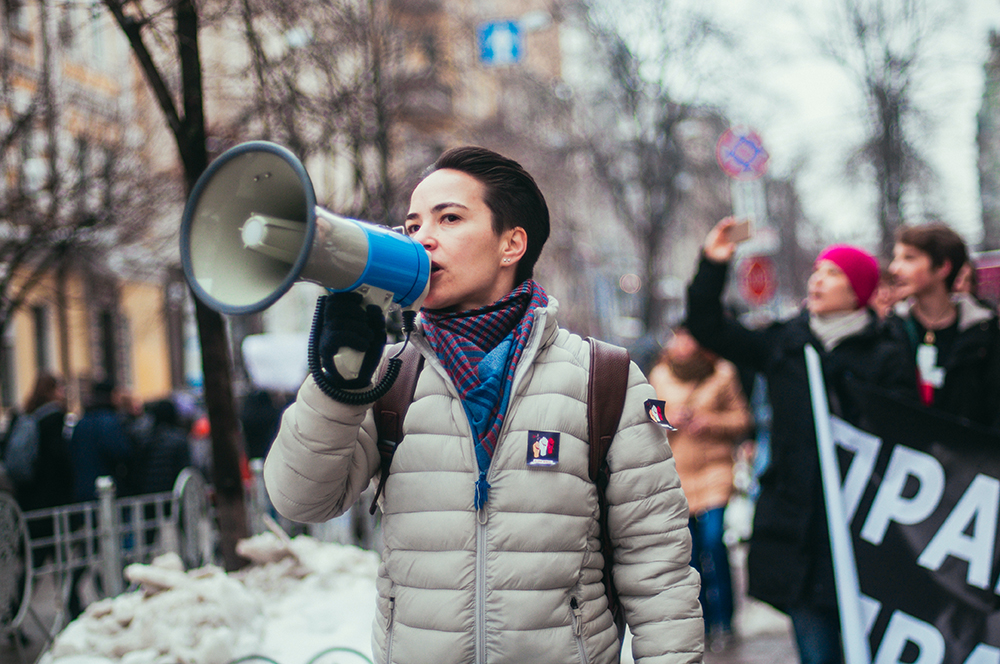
606,387
390,411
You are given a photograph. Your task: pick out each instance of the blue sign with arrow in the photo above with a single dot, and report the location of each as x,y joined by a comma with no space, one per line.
500,43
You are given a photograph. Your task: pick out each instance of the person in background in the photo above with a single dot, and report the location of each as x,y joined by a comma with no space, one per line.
165,452
885,296
52,484
260,417
168,451
491,553
99,445
704,401
953,339
789,562
53,479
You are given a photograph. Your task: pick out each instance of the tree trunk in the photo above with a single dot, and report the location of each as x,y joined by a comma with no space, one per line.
188,128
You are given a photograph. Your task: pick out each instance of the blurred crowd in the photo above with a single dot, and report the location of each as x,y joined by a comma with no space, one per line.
738,396
52,457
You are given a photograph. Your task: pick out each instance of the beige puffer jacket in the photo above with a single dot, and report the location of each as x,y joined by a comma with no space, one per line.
521,580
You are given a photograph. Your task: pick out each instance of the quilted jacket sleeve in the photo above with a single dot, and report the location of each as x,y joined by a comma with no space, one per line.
648,520
323,457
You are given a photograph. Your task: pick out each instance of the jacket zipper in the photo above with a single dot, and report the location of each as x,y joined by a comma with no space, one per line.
482,519
481,585
389,630
578,629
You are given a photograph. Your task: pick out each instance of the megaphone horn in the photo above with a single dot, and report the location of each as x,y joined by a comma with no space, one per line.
251,229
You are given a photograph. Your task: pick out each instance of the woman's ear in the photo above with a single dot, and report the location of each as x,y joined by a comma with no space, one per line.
514,245
942,271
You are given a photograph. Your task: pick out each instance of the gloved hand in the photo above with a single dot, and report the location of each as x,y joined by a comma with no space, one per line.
348,323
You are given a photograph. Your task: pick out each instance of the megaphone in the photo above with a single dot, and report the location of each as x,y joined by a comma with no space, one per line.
251,229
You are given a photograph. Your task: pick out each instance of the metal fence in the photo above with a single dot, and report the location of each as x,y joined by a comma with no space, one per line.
96,540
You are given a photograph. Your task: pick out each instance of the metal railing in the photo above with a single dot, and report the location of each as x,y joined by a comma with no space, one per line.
98,538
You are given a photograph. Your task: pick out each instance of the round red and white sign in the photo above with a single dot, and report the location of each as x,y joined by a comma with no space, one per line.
741,154
758,280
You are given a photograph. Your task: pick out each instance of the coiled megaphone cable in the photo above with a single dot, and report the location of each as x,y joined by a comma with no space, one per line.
347,396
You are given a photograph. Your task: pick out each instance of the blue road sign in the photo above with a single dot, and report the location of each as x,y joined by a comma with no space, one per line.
499,43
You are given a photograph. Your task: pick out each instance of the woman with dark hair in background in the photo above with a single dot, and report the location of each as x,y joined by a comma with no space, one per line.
52,481
789,563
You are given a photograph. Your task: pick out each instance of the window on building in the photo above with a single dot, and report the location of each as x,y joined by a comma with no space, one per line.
107,180
98,52
43,337
109,344
65,29
8,368
17,17
82,174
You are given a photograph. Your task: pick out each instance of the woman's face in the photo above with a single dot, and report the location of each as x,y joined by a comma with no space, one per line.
912,271
471,266
829,290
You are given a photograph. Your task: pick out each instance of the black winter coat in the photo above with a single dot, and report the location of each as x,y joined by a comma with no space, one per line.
53,483
789,561
971,388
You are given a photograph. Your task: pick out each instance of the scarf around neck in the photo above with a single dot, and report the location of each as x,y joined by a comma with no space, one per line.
480,349
834,328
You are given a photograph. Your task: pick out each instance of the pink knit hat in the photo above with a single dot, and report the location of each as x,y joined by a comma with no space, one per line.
860,267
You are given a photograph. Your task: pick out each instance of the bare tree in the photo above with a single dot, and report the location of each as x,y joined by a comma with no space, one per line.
884,45
323,75
70,205
636,141
178,23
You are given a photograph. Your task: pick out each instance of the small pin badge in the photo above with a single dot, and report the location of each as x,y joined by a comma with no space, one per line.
543,448
655,408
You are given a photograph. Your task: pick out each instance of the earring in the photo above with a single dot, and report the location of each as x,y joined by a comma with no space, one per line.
506,260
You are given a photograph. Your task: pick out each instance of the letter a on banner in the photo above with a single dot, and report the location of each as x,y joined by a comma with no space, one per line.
844,568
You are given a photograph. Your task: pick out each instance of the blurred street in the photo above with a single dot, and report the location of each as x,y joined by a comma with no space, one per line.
763,635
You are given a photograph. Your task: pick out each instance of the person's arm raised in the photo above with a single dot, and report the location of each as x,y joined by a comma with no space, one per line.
718,248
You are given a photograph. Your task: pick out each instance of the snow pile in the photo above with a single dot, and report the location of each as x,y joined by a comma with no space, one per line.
299,598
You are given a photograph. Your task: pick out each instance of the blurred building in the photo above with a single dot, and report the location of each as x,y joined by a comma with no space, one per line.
89,296
367,94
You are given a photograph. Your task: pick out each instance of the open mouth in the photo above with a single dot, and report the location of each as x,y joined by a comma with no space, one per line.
435,268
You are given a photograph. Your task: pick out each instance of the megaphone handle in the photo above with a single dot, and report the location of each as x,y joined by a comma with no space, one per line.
346,396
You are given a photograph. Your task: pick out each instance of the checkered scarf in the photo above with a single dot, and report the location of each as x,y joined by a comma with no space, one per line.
480,349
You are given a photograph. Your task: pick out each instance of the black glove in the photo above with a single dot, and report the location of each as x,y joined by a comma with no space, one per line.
348,323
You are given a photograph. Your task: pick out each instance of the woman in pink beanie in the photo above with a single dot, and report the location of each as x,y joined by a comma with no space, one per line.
789,564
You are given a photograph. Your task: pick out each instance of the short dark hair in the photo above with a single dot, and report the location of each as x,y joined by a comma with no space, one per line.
940,243
511,195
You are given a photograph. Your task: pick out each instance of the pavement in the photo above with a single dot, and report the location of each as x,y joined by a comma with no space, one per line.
762,634
33,632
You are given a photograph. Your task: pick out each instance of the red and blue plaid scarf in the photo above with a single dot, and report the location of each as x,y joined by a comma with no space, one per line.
480,349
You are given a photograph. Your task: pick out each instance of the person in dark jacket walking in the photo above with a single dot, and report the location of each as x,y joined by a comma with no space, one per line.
167,452
953,339
100,445
789,563
52,481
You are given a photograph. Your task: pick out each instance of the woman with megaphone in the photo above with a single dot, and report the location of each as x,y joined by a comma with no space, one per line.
492,550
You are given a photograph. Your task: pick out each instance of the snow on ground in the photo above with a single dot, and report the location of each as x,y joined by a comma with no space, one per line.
299,599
